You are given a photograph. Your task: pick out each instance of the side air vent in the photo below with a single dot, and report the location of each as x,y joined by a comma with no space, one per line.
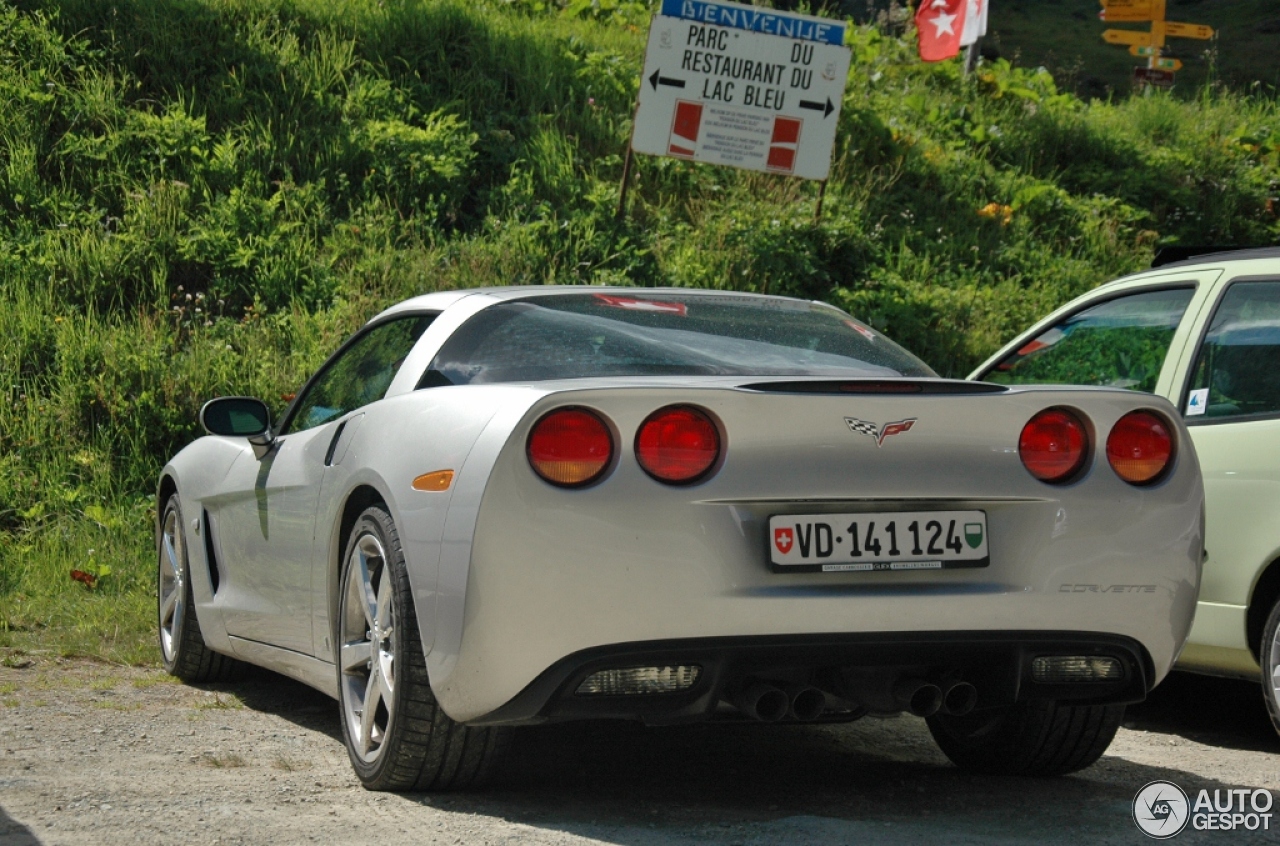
209,555
876,386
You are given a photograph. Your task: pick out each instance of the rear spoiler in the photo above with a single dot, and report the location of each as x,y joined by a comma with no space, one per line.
875,386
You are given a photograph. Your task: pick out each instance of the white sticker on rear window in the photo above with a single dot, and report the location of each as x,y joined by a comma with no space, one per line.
1197,401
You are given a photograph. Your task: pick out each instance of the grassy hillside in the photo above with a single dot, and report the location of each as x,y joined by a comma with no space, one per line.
203,197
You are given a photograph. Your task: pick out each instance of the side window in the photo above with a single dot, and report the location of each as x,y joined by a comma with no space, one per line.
359,374
1237,370
1119,343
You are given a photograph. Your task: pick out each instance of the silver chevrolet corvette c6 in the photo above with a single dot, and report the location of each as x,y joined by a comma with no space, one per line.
502,507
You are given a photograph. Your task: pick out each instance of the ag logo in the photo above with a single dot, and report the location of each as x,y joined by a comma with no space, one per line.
1161,810
782,539
863,427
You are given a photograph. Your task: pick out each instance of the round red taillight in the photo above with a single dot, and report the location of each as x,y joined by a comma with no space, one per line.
1054,445
678,444
570,447
1139,447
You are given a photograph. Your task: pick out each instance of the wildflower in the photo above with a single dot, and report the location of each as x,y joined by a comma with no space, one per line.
996,211
57,320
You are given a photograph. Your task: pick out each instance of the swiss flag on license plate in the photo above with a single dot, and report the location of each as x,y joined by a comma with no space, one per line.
782,539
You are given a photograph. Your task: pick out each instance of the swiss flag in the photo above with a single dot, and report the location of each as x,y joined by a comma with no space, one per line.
940,24
782,539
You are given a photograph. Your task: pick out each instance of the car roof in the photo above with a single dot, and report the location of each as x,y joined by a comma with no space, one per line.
1172,256
1268,259
440,300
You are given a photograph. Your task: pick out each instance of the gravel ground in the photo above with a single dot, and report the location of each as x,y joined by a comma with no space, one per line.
94,754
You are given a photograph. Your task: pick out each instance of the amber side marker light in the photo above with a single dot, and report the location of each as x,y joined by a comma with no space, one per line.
439,480
1140,447
1054,445
570,447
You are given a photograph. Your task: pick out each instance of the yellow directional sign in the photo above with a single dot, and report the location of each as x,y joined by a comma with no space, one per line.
1167,64
1145,50
1129,10
1126,15
1186,30
1132,37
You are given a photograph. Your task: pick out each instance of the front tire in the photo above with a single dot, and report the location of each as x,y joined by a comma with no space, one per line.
396,734
1033,738
182,647
1269,657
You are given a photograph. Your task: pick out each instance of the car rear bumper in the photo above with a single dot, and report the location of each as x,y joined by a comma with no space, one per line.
998,664
529,573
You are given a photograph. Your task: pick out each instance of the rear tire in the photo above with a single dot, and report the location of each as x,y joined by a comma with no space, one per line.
182,647
1035,738
397,735
1269,657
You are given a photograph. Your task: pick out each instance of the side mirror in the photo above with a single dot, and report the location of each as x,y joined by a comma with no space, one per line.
243,417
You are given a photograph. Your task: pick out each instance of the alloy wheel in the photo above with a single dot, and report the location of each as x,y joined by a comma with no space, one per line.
367,647
172,585
1274,671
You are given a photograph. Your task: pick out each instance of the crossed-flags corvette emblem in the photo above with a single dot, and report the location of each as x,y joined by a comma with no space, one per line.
879,433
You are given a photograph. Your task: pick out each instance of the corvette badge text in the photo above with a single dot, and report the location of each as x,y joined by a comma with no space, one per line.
1162,809
1106,588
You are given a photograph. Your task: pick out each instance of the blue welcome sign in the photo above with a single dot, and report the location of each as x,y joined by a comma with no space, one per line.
755,19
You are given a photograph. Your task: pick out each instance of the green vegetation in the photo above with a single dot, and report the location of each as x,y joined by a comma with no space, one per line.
1129,357
202,197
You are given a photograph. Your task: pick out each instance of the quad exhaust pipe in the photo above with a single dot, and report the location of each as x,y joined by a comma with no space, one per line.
917,696
807,702
769,703
886,692
958,697
761,701
878,691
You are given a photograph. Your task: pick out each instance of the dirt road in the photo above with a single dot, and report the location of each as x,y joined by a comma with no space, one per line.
91,754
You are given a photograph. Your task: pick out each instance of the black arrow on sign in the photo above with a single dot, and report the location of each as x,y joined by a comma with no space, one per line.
825,108
657,80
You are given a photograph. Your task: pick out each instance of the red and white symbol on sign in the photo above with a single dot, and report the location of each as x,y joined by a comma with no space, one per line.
782,539
783,144
684,129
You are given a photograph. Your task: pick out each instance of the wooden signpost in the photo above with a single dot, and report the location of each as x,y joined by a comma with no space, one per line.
1148,44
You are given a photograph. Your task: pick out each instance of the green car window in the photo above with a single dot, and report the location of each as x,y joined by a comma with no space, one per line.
359,373
1237,370
1119,343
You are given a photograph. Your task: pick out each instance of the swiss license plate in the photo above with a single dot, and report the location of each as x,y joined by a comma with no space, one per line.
898,541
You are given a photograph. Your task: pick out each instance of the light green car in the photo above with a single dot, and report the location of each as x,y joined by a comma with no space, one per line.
1204,333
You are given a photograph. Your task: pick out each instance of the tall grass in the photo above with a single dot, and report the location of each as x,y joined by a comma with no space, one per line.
205,196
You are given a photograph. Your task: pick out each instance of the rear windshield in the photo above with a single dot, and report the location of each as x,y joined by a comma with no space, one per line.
577,336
